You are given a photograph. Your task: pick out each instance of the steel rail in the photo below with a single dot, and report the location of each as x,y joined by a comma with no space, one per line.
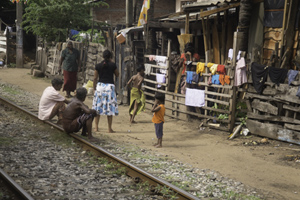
16,187
132,171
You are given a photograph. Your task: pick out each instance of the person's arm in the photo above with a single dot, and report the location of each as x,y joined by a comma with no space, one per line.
61,60
86,109
155,107
128,83
78,61
67,101
95,81
116,72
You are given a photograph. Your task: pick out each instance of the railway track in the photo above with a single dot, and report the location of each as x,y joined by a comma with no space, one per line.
138,175
11,189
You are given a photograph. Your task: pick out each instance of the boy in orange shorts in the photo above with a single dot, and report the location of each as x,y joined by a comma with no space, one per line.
158,110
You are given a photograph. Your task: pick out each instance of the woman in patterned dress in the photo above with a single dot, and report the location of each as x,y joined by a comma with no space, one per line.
105,99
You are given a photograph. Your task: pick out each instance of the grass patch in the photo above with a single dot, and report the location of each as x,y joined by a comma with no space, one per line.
61,138
10,90
7,141
234,195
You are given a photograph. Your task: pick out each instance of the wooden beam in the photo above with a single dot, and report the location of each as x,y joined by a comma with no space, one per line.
272,118
166,25
264,107
273,131
210,12
187,23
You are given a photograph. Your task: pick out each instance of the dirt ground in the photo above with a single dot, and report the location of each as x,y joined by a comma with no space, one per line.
267,167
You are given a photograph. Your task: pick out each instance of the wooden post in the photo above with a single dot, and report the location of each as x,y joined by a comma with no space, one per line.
187,23
232,101
168,75
7,47
19,52
129,13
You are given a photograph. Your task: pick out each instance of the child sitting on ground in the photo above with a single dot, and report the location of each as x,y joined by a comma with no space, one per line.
158,117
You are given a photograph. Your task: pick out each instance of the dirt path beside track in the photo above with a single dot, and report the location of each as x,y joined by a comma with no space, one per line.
267,167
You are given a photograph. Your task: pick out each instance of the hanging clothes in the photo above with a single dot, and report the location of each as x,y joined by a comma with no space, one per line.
259,76
161,61
277,75
152,57
194,97
210,64
195,77
200,68
189,77
209,82
160,78
292,75
298,92
221,69
147,69
213,69
240,73
215,79
224,79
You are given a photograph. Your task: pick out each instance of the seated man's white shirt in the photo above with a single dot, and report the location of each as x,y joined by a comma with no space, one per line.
48,100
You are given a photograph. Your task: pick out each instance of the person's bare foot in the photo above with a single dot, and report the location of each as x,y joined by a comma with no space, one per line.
111,131
158,146
96,130
155,144
133,122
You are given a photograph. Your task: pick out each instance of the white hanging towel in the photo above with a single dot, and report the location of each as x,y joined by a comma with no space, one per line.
147,69
160,78
194,97
161,61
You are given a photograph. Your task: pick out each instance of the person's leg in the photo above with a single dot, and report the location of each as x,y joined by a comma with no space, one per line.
89,124
109,121
97,119
134,111
58,110
68,94
156,133
159,135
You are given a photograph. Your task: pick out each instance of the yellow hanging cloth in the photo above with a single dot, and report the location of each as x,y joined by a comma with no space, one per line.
213,69
210,64
200,68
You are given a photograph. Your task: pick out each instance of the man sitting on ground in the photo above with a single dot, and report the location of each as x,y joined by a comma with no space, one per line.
52,103
77,115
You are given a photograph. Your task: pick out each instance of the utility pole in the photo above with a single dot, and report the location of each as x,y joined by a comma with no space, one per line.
19,35
129,13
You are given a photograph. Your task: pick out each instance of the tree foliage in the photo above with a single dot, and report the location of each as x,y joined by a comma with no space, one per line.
6,4
52,19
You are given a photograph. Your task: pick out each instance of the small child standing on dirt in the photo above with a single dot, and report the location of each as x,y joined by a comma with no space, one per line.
158,117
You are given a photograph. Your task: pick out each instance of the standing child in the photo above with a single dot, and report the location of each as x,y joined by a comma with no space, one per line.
137,97
158,117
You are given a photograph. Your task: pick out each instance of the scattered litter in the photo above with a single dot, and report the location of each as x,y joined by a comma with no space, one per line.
201,128
129,131
245,131
264,141
212,124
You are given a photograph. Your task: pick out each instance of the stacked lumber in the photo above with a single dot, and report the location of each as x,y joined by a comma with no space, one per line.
276,112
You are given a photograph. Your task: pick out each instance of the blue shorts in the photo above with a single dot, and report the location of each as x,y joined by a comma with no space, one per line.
159,130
